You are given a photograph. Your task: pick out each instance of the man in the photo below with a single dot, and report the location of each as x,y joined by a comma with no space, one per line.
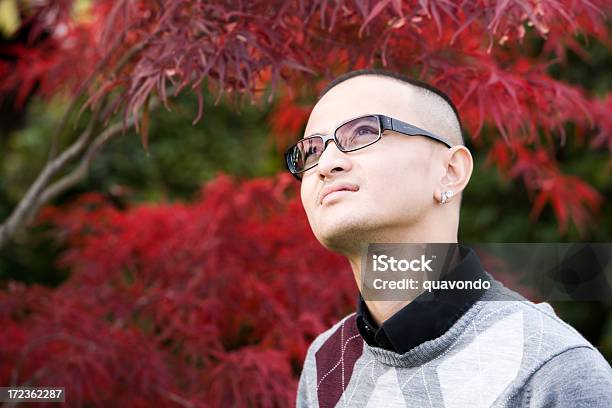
383,161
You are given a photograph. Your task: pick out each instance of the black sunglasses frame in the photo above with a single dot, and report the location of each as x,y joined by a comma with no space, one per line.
384,123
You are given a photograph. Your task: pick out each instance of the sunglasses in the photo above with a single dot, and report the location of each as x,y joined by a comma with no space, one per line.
351,135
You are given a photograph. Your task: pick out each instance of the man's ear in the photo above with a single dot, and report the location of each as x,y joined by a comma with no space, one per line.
458,165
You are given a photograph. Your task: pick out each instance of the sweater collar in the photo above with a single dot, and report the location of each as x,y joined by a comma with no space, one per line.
425,318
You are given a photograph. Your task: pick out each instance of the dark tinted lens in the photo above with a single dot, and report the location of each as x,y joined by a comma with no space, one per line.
305,154
358,132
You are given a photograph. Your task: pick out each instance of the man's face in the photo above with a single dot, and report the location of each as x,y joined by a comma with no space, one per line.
394,178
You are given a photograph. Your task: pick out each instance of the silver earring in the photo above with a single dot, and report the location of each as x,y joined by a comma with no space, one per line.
446,196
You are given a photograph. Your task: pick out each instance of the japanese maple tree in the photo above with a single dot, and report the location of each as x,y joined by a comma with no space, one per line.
124,58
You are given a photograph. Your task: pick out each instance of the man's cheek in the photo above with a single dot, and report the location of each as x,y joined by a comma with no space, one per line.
304,196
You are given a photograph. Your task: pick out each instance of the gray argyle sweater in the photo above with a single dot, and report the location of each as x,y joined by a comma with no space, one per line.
504,351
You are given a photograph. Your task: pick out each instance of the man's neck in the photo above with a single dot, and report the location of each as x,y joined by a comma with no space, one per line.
382,310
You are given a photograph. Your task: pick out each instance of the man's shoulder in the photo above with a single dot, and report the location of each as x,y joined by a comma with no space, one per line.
539,324
533,339
527,343
576,377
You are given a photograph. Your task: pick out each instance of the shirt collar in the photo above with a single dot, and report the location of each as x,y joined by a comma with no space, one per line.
425,318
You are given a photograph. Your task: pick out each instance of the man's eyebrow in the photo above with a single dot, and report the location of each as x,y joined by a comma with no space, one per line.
322,133
311,134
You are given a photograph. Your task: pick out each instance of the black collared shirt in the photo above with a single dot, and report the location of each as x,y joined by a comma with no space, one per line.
426,317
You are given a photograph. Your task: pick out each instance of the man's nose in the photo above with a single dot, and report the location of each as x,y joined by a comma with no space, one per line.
332,161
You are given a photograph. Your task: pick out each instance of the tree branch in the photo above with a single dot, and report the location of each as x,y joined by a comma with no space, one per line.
42,192
15,221
77,175
79,93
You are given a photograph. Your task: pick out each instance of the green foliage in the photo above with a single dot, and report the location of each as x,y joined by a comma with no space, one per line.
182,156
496,209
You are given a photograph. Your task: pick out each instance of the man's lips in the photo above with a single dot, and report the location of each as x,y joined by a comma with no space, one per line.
337,187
